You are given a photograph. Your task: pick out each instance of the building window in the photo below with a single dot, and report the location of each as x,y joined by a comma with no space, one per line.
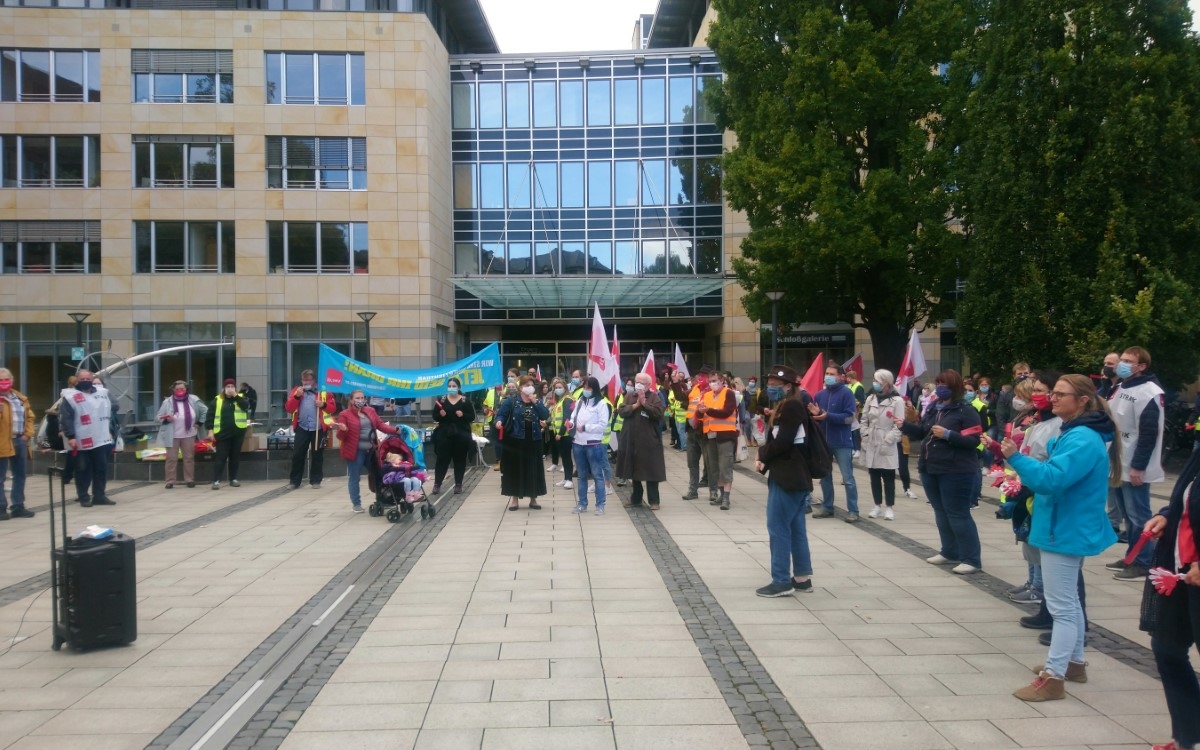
178,76
60,161
183,246
439,352
50,247
49,75
317,247
182,161
316,78
316,163
203,369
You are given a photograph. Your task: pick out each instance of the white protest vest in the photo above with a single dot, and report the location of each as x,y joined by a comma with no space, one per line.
1127,405
93,411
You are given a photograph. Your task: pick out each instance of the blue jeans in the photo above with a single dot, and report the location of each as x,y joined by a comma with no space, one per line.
845,462
683,436
1135,507
786,529
1060,575
977,485
589,460
20,464
949,495
353,473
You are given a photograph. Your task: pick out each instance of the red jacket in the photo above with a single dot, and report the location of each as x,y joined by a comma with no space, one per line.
292,406
349,436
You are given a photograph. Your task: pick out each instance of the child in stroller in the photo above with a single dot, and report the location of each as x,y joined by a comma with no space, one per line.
401,481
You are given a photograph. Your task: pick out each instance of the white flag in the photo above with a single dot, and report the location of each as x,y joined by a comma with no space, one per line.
599,355
680,364
913,364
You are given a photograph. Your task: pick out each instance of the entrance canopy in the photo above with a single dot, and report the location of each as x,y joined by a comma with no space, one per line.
586,291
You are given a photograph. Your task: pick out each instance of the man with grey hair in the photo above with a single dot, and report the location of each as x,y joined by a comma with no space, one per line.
85,417
16,430
640,454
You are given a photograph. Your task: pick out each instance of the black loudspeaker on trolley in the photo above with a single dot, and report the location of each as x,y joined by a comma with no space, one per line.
93,582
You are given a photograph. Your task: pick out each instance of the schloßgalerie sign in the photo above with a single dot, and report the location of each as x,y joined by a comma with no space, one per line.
341,374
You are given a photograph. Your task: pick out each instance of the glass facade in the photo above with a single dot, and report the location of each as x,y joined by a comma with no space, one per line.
586,167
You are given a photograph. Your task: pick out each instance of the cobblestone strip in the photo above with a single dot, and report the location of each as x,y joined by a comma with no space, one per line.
274,721
41,581
1102,639
763,714
117,491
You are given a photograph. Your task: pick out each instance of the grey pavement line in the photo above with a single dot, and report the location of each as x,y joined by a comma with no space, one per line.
117,491
763,714
279,711
35,584
1102,639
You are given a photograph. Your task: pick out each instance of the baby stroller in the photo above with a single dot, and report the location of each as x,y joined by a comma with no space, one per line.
397,492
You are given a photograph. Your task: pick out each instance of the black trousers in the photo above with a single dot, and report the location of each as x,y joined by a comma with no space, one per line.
451,451
883,486
307,441
229,450
651,493
1175,668
91,472
905,480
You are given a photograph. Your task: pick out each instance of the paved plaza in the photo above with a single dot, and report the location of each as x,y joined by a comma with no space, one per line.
275,618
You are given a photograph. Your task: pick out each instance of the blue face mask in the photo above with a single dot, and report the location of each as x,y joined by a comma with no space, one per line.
877,387
968,396
985,388
775,392
942,392
574,383
452,390
559,392
830,381
587,392
1124,370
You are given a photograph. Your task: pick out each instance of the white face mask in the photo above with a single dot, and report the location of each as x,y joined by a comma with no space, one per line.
528,390
1020,404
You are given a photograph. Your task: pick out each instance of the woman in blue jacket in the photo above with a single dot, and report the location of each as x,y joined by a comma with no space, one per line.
949,464
1069,521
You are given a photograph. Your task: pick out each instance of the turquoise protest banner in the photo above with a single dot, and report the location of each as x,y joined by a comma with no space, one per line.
338,373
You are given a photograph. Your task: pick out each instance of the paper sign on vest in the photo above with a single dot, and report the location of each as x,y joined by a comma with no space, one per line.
85,444
85,419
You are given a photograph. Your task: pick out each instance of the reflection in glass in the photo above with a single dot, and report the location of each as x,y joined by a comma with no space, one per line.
572,184
708,255
302,246
491,185
492,258
464,186
704,110
598,112
358,79
679,183
681,257
168,164
518,186
331,72
519,261
491,105
545,260
462,98
168,88
202,87
202,165
573,258
93,76
708,180
625,101
545,104
545,185
68,256
35,76
169,242
36,162
300,85
654,101
518,104
599,184
625,183
68,161
571,104
68,76
627,260
653,193
653,257
600,258
202,249
466,258
681,99
274,79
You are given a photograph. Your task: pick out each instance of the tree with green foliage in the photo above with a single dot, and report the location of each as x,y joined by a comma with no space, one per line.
1077,126
838,164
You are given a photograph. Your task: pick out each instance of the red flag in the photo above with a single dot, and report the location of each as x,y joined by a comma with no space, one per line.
539,373
854,364
680,363
814,379
648,368
598,352
913,364
615,384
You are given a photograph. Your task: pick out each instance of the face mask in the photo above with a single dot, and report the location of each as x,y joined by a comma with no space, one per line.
942,392
360,402
716,385
574,383
83,385
751,386
877,387
1041,401
639,387
1020,404
830,381
985,388
230,392
629,389
528,390
1109,371
308,386
559,392
1124,370
452,390
968,396
180,393
775,392
587,392
701,383
5,385
511,380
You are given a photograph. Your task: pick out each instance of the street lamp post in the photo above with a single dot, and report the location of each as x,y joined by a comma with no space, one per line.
366,318
774,295
79,317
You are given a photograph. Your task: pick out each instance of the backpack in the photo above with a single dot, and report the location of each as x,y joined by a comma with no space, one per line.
820,458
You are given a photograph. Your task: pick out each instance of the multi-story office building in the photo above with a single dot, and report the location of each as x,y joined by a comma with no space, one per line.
266,173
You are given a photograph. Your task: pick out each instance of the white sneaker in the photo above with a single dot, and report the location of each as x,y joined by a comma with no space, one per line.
566,485
963,569
854,454
939,560
910,493
889,515
561,482
875,512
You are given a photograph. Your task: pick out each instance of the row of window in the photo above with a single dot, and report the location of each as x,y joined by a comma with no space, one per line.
596,102
595,184
169,161
182,76
184,247
675,257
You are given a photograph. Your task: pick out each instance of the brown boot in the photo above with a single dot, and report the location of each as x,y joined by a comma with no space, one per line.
1076,671
1043,688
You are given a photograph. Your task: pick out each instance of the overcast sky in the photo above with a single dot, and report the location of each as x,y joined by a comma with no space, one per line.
577,25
